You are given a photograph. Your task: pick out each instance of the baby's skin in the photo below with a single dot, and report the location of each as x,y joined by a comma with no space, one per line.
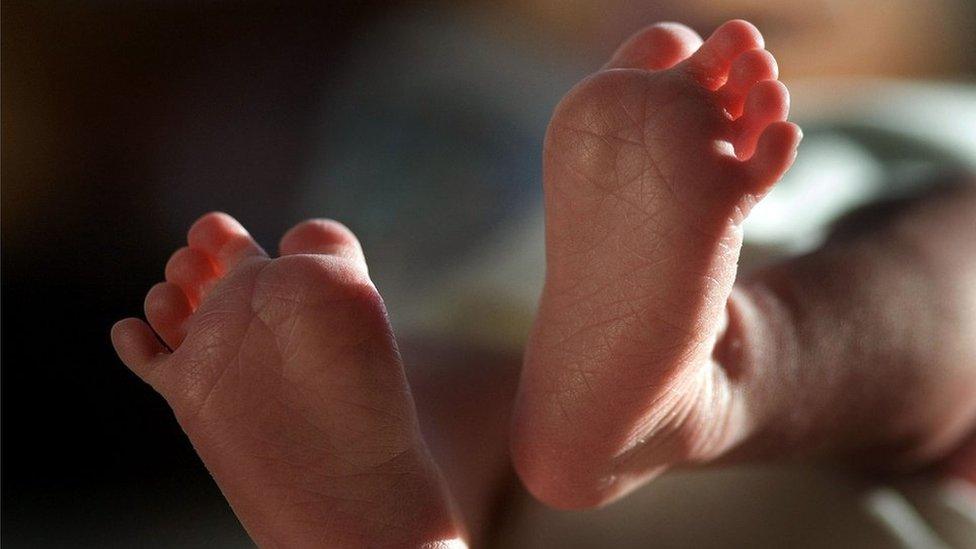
645,355
650,167
285,375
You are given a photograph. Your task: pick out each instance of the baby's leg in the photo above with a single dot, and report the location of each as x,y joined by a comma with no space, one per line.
645,357
285,375
866,348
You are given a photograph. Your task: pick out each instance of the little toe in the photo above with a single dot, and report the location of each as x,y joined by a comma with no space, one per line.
747,69
710,65
167,309
137,345
322,236
774,155
659,46
193,271
224,240
768,102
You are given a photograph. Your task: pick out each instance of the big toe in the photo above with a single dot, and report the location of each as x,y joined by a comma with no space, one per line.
659,46
324,237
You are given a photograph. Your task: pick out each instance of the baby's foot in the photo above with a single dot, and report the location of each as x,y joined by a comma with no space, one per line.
650,166
286,377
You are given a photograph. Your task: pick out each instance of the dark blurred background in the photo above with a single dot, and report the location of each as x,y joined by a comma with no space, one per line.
420,125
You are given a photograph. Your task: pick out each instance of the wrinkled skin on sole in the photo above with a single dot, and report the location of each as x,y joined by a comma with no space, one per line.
285,375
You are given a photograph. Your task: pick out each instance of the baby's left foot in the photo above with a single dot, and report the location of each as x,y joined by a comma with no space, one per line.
285,375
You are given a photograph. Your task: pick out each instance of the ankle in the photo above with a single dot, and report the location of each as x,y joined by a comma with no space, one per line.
756,347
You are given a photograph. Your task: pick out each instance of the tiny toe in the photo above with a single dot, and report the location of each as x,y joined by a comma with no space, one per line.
659,46
747,69
167,309
193,271
225,240
137,345
322,236
768,101
774,155
713,60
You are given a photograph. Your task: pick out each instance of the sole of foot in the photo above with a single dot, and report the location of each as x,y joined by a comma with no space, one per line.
650,166
285,375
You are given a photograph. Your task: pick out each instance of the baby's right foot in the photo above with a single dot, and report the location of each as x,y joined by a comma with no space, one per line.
285,376
650,167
